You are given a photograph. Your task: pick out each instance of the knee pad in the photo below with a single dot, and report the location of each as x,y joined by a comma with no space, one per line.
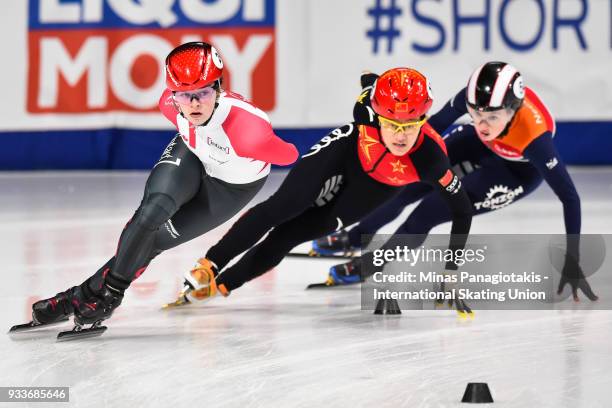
155,210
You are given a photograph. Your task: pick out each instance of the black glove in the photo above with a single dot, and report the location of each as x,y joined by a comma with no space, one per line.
462,308
572,273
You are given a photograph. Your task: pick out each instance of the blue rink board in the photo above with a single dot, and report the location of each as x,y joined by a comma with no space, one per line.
579,143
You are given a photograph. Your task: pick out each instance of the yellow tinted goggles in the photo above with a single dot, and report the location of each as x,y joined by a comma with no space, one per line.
401,126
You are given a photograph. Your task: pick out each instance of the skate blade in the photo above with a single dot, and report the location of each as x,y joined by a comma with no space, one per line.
28,327
180,302
318,285
327,285
81,334
316,255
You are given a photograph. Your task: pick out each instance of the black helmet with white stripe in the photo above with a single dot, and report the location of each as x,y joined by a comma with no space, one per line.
495,85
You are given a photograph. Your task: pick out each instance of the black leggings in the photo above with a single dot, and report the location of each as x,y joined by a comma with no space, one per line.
325,191
180,203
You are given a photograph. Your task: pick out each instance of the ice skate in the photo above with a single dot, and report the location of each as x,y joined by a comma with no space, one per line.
91,308
334,244
27,327
340,275
181,299
200,285
49,312
313,254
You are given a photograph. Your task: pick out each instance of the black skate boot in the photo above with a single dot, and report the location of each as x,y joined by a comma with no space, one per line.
48,312
337,243
92,307
55,309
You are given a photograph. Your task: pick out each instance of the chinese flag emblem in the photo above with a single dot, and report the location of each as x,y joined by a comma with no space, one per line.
401,107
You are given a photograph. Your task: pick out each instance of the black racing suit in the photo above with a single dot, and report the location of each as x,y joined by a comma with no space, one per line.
325,191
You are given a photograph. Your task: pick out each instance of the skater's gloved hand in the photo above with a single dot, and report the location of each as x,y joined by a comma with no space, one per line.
573,275
450,288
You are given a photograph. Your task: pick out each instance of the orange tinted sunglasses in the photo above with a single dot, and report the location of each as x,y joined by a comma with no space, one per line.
401,126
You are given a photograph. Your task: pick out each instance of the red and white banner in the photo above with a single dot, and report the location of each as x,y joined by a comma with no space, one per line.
82,64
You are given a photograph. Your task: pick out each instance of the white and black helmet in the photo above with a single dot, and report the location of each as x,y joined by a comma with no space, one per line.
495,85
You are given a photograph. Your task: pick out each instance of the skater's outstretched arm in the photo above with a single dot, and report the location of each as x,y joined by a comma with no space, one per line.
439,174
544,156
252,136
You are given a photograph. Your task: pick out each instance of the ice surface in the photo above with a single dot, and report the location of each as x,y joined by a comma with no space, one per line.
271,343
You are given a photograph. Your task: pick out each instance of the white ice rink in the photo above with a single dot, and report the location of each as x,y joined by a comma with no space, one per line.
271,343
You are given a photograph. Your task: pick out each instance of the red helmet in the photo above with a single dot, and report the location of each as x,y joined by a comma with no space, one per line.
401,94
193,65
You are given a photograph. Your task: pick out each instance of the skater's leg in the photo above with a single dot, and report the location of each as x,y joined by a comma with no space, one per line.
169,186
271,251
353,203
303,187
387,213
215,203
433,210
